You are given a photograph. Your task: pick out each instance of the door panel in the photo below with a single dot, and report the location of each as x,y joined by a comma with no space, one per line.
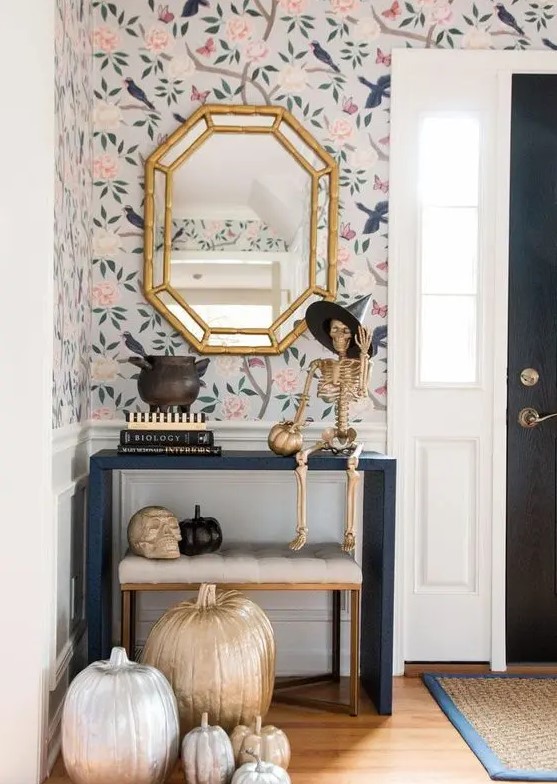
531,615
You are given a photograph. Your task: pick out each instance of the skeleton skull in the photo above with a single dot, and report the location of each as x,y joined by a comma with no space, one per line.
154,532
340,335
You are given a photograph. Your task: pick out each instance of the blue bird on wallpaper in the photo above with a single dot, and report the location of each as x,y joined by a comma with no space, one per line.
378,338
135,219
191,7
133,344
378,91
323,56
507,18
376,216
137,93
548,43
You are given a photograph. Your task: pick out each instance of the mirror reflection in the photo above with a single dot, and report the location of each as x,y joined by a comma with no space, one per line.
241,235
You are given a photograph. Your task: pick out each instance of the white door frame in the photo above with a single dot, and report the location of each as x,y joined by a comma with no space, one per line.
500,65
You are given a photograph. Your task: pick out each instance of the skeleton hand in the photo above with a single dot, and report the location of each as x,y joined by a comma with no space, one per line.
363,340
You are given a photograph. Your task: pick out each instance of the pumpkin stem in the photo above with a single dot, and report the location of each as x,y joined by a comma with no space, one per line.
207,596
204,720
118,657
197,511
258,725
258,766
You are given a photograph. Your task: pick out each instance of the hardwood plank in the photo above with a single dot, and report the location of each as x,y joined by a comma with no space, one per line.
416,745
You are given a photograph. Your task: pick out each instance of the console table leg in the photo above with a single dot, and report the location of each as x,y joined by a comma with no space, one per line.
99,564
378,564
335,669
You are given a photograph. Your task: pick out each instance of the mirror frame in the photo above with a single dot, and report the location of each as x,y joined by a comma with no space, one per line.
329,170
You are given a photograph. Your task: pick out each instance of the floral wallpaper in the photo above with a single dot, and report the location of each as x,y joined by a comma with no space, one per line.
327,61
238,235
72,212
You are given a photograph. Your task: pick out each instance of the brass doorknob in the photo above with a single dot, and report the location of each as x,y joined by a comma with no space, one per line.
529,417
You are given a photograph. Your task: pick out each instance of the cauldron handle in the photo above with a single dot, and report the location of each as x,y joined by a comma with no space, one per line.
140,362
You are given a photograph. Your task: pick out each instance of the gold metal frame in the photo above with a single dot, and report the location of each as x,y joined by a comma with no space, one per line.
329,170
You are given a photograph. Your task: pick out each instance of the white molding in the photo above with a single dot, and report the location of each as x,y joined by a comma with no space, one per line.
54,738
69,436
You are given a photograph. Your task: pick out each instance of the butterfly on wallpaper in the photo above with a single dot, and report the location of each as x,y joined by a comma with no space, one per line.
393,11
165,15
384,141
197,96
208,48
382,58
349,106
383,265
380,185
381,390
378,310
346,232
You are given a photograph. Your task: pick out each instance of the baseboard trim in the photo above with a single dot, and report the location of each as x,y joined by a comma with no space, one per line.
417,669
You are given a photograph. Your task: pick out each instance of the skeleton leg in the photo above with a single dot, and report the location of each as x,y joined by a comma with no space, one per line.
353,478
301,496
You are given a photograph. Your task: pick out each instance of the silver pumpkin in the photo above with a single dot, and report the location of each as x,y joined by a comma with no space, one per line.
120,724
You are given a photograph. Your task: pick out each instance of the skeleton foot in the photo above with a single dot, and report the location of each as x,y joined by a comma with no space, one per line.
299,541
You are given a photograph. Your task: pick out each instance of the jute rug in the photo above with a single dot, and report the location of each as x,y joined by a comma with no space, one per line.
509,721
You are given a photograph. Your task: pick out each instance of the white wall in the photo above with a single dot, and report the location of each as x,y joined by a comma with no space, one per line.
26,257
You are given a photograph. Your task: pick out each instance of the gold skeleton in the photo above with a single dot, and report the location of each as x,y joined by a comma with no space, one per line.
341,382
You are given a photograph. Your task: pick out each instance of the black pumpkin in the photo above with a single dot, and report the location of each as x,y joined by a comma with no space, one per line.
200,535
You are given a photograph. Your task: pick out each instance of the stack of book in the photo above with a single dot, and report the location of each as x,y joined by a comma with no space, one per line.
167,434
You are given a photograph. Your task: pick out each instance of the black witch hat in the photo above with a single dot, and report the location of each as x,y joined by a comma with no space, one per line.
320,314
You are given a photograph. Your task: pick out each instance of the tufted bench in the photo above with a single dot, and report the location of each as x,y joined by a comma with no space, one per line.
260,567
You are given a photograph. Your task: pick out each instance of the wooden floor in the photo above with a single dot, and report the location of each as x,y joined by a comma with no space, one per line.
413,746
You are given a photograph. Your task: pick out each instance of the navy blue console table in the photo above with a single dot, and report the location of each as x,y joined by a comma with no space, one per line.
376,644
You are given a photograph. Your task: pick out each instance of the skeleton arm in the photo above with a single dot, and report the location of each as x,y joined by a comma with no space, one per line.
304,397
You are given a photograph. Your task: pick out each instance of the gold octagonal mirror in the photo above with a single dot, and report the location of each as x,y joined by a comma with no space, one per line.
241,208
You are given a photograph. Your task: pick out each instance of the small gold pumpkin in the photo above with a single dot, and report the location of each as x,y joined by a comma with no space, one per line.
268,743
285,438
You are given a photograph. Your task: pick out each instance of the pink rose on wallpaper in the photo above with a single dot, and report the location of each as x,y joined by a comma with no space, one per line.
256,51
344,259
105,167
106,39
360,284
105,243
341,131
286,379
252,230
235,407
344,7
105,294
239,28
476,38
158,39
442,13
102,413
293,7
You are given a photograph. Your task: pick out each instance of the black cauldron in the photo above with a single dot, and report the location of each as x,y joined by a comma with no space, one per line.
166,381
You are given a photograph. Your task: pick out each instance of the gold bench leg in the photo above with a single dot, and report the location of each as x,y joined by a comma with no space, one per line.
354,652
125,623
335,670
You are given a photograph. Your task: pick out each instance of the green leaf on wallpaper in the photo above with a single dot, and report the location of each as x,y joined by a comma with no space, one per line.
234,9
208,409
215,390
219,95
285,405
253,12
248,391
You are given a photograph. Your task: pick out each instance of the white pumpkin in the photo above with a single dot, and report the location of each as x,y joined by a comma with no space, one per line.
119,724
207,756
218,654
260,772
268,743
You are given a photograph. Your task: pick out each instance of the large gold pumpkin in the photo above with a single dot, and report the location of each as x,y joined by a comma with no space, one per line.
218,654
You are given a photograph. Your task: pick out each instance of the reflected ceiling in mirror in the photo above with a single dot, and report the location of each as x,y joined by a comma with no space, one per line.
240,228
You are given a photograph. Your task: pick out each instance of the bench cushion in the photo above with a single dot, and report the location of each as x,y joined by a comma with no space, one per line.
244,563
